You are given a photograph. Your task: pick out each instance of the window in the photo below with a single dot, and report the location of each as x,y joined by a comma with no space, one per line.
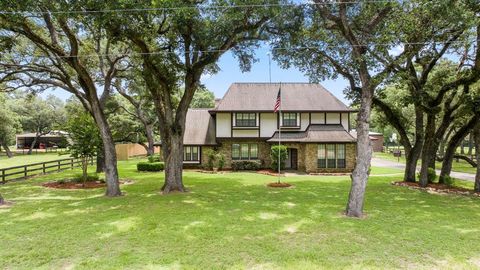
244,151
341,163
289,119
245,119
191,153
321,157
331,156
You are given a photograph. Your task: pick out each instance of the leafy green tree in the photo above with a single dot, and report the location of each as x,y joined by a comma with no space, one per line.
85,140
10,125
203,98
175,47
276,152
66,51
39,115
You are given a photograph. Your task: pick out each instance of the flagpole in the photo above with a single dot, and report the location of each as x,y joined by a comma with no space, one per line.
279,131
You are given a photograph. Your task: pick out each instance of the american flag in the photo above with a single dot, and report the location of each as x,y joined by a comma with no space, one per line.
277,103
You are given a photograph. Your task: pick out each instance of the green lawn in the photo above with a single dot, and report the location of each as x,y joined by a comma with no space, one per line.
232,221
19,160
460,166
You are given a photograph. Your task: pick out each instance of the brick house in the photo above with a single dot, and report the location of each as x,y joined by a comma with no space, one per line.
314,124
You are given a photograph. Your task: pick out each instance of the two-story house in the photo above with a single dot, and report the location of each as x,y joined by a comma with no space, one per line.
313,124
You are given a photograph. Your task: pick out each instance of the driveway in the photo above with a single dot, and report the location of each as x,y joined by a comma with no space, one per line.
378,162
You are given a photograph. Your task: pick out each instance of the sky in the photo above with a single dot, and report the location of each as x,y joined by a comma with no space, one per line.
230,72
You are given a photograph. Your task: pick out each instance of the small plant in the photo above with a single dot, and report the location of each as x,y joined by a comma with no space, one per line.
221,161
448,180
79,178
274,153
431,175
211,157
154,158
150,166
249,165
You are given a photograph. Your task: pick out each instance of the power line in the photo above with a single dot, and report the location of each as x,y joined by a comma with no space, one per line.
273,49
127,10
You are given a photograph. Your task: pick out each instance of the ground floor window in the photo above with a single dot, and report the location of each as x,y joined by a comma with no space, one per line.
244,151
331,156
191,153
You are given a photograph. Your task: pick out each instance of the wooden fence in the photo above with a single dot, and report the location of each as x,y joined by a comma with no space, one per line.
24,171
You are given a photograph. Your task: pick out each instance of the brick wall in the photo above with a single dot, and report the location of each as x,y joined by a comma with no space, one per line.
225,148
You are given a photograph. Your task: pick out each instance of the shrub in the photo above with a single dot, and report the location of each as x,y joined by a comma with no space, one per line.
448,180
211,156
154,158
150,166
90,178
221,161
431,175
250,165
274,156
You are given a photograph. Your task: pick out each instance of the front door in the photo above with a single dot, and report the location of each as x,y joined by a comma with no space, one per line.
293,159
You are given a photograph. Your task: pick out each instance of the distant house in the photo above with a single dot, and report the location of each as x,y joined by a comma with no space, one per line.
314,126
52,139
377,141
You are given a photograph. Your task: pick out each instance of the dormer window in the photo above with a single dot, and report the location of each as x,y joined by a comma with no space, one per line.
245,119
290,120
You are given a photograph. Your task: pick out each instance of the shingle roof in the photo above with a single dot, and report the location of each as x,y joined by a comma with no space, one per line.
295,97
199,128
316,133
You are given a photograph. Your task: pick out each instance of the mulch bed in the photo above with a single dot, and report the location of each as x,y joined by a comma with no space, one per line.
279,185
213,172
330,174
436,188
270,172
75,185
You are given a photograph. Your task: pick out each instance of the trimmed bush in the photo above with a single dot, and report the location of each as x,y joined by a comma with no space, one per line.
221,161
90,178
250,165
154,158
431,175
274,156
448,180
150,166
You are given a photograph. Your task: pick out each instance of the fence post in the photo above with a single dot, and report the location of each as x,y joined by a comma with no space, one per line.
71,160
58,165
3,176
25,171
44,168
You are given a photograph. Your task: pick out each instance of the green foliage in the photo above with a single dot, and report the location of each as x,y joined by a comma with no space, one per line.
10,122
221,161
431,175
89,178
203,98
150,166
274,153
248,165
154,158
448,180
211,158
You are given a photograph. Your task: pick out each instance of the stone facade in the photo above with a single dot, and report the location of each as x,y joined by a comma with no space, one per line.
225,148
311,159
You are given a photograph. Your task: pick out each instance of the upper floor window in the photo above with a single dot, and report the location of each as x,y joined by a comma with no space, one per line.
245,119
289,119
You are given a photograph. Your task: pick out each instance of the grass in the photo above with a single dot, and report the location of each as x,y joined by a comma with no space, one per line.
232,221
19,160
460,166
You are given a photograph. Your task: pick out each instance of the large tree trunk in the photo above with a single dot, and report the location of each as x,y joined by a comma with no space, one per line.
30,150
172,148
428,150
364,155
453,144
150,140
111,171
100,161
470,144
476,135
411,164
7,150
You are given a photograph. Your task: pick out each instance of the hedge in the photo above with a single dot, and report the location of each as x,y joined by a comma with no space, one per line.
251,165
154,158
150,166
